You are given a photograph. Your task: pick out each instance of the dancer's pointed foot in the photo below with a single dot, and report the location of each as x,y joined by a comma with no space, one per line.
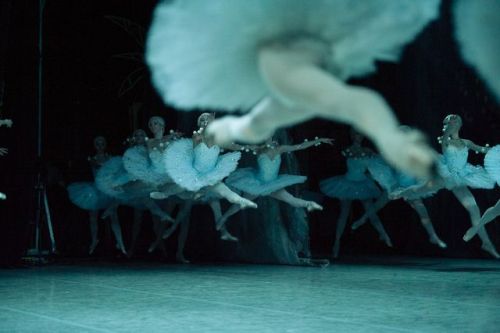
470,233
226,236
358,223
245,203
437,241
387,241
93,245
311,206
336,248
180,259
490,248
230,129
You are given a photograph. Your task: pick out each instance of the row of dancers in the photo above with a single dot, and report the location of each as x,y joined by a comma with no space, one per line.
165,171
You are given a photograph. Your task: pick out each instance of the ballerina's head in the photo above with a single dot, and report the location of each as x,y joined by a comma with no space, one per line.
452,124
204,119
156,125
100,144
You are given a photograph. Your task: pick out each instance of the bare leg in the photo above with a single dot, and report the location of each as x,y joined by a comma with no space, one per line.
419,207
136,228
230,212
224,233
110,210
373,209
345,207
94,229
224,191
159,228
285,196
309,91
467,200
377,224
156,210
181,241
489,215
117,231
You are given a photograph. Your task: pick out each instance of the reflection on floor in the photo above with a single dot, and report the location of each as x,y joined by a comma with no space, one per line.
375,295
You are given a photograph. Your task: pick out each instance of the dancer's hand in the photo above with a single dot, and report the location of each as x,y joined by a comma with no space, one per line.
4,151
6,122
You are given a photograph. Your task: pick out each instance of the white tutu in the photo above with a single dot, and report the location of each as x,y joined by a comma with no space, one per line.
204,53
477,26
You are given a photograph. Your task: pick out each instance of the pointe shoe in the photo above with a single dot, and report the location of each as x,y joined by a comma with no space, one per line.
470,233
358,223
491,250
311,206
435,240
228,237
92,247
180,259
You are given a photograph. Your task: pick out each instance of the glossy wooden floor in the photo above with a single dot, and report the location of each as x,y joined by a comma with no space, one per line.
372,295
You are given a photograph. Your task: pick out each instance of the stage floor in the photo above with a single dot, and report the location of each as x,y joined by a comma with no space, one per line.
375,295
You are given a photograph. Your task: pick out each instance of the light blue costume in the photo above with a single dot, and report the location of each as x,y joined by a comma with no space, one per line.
457,172
265,179
194,168
354,185
492,163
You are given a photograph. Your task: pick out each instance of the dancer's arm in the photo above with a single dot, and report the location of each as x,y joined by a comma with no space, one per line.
304,145
477,148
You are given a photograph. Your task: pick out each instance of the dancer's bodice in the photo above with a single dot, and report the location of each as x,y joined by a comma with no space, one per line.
456,157
356,168
205,158
268,168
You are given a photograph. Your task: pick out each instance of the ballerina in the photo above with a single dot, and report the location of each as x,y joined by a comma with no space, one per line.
457,175
266,180
354,185
195,164
87,196
393,180
492,166
287,62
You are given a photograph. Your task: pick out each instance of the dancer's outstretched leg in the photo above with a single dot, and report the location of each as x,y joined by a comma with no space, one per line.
224,233
377,224
94,229
309,91
419,207
345,207
467,200
373,209
181,241
156,210
117,231
285,196
489,215
235,208
224,191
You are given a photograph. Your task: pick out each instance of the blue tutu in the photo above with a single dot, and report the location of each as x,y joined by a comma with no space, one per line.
86,196
264,180
111,178
391,179
216,66
492,163
144,166
354,185
198,167
456,172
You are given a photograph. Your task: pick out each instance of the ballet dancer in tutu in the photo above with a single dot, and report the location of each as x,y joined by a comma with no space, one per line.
354,185
392,180
265,180
457,175
287,61
87,196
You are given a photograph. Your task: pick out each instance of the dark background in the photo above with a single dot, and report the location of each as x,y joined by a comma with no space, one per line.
82,77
